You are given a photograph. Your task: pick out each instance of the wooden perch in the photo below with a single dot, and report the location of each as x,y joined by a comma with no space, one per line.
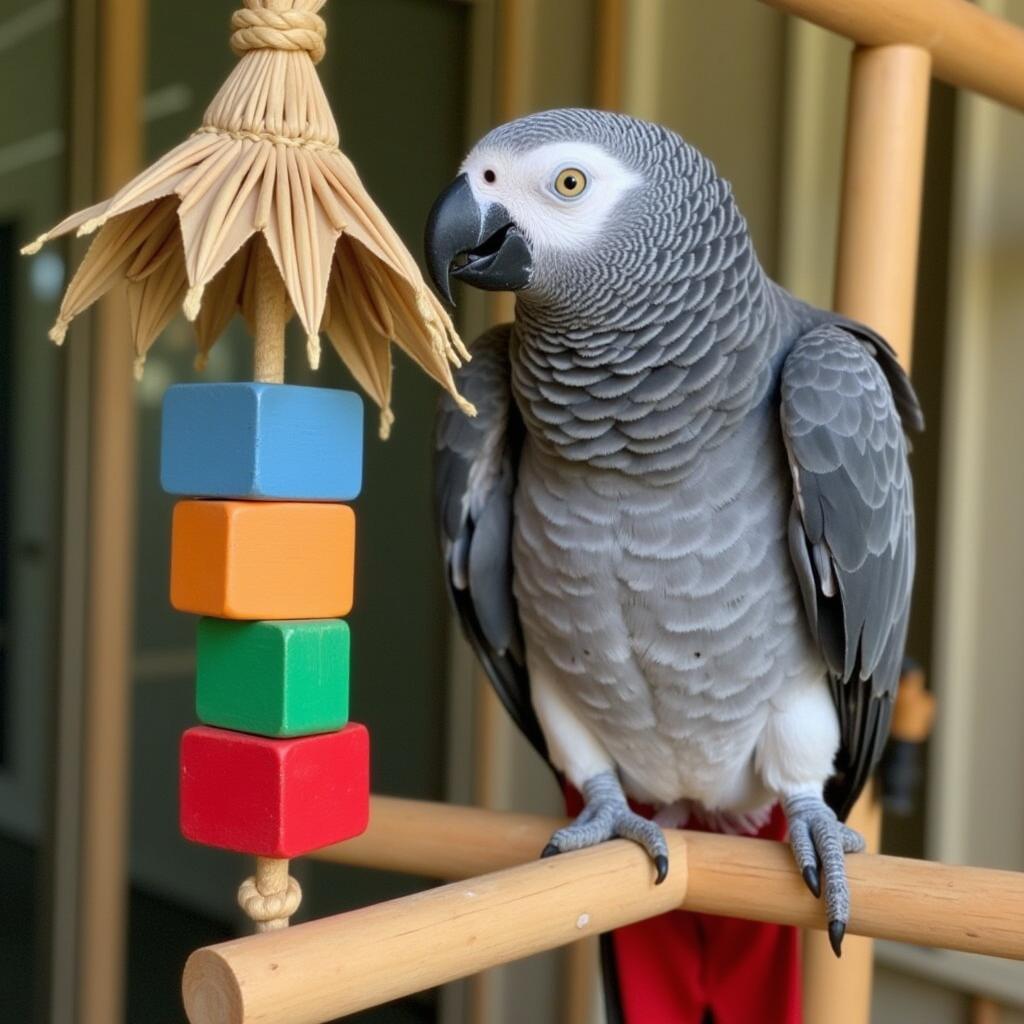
970,48
315,972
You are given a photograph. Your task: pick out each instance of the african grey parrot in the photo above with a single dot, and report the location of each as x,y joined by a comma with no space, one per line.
680,531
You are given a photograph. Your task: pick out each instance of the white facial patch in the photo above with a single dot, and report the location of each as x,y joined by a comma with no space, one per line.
524,183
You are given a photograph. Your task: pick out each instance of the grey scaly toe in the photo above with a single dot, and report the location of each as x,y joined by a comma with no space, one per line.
820,842
606,815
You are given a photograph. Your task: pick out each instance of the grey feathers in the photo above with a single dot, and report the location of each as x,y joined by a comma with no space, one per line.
695,360
695,486
474,482
851,530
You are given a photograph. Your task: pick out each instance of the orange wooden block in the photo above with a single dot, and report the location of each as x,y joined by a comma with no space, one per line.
262,560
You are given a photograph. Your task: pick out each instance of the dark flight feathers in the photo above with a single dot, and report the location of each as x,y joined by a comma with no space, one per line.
851,530
474,486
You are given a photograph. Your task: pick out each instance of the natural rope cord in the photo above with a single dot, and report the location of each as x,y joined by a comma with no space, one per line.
269,910
258,28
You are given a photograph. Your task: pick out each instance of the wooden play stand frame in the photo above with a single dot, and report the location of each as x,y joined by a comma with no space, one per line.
505,903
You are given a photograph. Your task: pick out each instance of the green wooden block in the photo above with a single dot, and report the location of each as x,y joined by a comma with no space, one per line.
287,678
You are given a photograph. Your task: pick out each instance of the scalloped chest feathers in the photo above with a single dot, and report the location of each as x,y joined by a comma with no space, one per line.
654,584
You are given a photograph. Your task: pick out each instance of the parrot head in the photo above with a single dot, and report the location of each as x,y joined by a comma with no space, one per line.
567,205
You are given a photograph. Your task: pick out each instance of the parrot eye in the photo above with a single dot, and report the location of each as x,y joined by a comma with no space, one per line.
570,183
489,176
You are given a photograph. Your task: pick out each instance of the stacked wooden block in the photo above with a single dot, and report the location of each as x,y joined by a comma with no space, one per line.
263,548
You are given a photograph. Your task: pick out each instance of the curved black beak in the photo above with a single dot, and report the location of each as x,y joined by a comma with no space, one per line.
480,245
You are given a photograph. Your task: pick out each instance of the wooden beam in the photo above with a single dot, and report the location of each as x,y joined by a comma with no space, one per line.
609,38
449,842
65,879
876,273
843,987
985,1011
970,48
514,63
393,949
880,215
111,537
315,972
643,34
509,52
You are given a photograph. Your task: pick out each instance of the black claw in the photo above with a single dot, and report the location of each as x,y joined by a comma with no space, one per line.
549,851
813,881
836,931
661,866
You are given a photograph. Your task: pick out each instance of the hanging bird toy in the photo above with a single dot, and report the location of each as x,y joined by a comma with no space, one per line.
260,212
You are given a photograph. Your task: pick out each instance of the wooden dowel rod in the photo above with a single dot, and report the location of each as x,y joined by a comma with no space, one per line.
315,972
318,971
451,842
976,910
883,175
840,990
270,315
610,28
972,909
876,274
580,981
106,769
985,1011
444,841
970,48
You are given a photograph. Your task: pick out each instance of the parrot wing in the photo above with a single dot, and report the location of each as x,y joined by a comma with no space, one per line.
475,479
845,406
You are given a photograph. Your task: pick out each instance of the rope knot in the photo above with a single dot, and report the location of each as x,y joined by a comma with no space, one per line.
258,28
272,907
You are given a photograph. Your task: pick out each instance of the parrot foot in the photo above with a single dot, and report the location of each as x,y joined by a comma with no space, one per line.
820,841
606,815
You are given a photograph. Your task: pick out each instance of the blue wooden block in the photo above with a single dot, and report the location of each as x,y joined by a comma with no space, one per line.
262,441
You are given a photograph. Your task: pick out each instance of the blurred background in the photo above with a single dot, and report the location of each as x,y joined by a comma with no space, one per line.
102,900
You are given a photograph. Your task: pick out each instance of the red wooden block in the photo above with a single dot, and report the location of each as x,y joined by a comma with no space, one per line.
274,797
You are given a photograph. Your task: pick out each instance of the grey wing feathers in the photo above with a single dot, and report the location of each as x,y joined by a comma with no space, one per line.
851,532
475,471
903,394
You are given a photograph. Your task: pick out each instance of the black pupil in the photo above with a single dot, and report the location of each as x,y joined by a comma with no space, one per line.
489,177
570,182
